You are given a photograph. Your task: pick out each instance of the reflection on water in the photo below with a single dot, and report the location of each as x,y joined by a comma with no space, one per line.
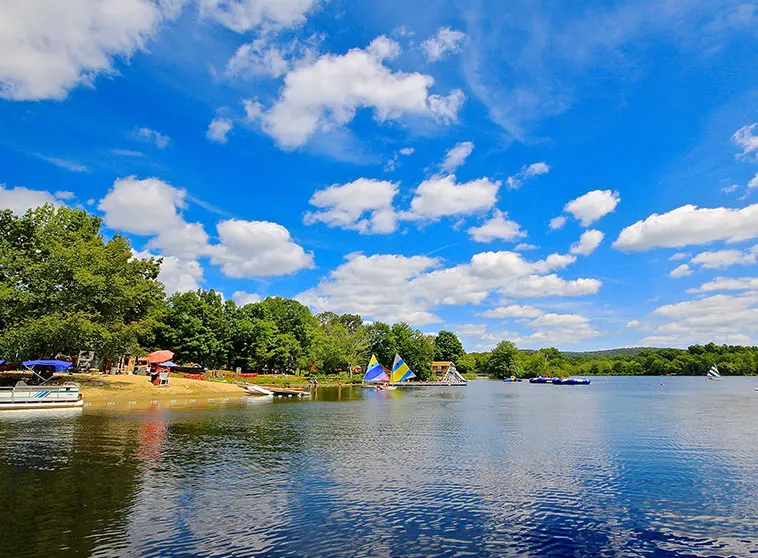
621,467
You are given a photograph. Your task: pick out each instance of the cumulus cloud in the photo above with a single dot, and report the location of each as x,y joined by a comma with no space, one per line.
445,41
441,196
557,223
592,206
327,93
719,318
535,286
393,163
512,311
524,247
688,225
392,287
632,324
151,136
257,249
261,57
457,156
588,243
177,275
242,298
364,205
682,271
151,207
245,15
728,284
499,227
721,259
527,172
679,256
48,48
745,139
146,206
20,199
218,129
753,182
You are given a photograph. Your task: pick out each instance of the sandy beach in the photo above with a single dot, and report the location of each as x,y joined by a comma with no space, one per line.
96,388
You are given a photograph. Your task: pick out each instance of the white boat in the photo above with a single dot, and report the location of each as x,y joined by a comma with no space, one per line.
23,396
713,374
258,390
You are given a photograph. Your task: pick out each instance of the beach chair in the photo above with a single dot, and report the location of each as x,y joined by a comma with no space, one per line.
163,378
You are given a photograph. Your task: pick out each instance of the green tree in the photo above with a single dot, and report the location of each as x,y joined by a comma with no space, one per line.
416,349
381,343
63,288
503,360
447,346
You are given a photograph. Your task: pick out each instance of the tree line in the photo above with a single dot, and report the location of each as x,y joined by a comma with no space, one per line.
65,288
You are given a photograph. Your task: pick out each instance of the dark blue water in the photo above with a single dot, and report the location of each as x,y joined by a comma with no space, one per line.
623,467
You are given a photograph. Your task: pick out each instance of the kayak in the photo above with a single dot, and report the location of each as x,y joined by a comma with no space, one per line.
571,382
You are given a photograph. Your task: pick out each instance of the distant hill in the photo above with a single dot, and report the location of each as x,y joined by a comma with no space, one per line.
610,353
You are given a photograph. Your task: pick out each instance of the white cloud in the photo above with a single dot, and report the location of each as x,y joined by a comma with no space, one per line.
690,225
441,196
376,287
264,58
253,110
720,318
471,330
177,275
218,129
560,320
527,172
186,241
67,164
512,311
524,247
146,207
245,15
746,140
20,199
753,182
682,271
151,136
364,205
592,206
64,195
48,48
245,249
457,156
721,259
446,40
393,287
728,284
557,222
499,227
633,324
407,151
257,249
588,242
242,298
327,93
393,163
680,256
535,286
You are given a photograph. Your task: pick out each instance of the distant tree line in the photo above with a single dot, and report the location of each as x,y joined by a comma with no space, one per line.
64,288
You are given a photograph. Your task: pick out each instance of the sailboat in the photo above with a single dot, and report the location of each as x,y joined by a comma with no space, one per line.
375,374
713,374
400,371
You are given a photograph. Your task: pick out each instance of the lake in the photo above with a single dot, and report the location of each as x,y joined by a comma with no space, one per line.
623,467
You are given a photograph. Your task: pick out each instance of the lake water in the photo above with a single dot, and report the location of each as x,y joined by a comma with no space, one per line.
623,467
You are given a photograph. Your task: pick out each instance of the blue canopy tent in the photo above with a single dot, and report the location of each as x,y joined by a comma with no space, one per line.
60,365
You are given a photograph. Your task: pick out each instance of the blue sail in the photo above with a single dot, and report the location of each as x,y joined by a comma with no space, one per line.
375,372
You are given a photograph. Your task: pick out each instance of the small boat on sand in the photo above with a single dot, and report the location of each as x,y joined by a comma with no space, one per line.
23,396
252,389
571,381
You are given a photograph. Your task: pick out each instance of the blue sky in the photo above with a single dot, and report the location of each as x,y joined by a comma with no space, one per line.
577,175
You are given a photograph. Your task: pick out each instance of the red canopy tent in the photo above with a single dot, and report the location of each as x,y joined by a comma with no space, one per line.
159,356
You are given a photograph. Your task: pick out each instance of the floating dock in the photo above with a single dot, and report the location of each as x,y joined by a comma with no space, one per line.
429,384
